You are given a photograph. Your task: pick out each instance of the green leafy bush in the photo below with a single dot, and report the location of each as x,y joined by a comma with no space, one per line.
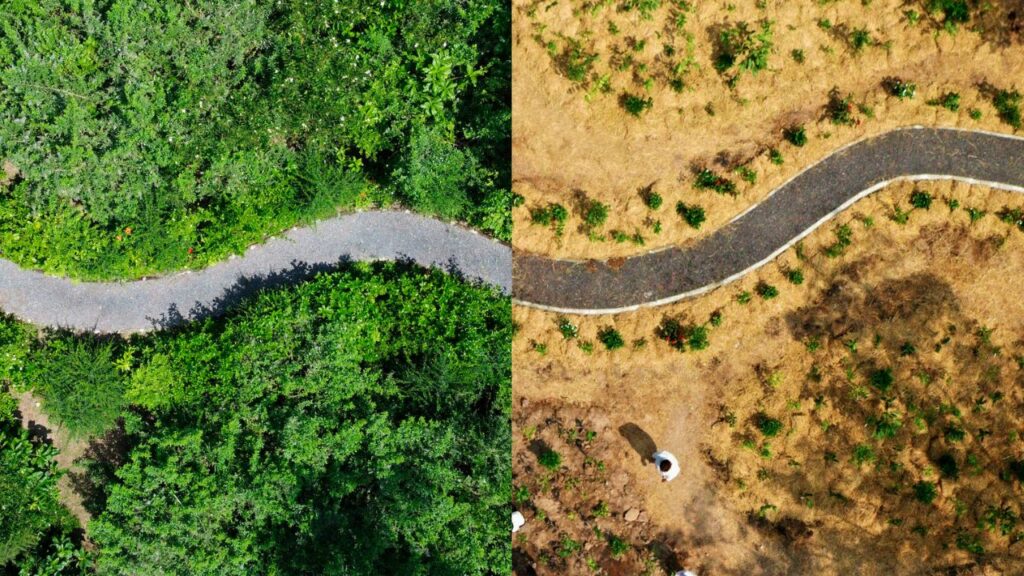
678,336
744,48
1007,103
766,290
611,338
920,199
900,88
636,105
550,459
769,427
171,135
796,135
28,486
840,108
80,386
691,214
709,180
950,101
882,379
925,492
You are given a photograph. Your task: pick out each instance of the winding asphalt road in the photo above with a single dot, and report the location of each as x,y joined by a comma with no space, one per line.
757,236
169,300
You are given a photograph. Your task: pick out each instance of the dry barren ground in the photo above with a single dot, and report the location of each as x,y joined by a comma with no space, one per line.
574,144
867,420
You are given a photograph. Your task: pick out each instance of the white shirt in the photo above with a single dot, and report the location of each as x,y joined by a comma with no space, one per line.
517,521
672,472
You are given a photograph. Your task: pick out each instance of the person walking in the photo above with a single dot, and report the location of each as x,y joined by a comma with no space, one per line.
666,464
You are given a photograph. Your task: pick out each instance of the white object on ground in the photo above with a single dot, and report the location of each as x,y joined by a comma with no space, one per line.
517,521
685,573
666,464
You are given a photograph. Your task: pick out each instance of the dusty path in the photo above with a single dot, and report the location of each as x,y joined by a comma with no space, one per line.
790,212
156,303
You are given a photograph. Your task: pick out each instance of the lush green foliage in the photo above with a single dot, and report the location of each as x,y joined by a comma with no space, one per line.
80,385
796,135
354,424
1008,103
157,135
744,48
691,214
28,479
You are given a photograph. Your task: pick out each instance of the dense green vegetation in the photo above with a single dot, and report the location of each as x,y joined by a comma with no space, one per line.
150,136
34,527
354,424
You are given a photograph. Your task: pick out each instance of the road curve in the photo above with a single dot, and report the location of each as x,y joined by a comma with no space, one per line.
156,303
758,235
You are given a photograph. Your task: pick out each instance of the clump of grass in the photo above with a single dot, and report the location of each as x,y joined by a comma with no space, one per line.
795,276
611,338
954,433
775,157
692,214
744,48
798,56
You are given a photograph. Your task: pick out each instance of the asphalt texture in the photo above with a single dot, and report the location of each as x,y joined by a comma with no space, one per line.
789,213
163,302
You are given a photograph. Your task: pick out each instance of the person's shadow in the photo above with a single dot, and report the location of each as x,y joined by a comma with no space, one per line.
640,441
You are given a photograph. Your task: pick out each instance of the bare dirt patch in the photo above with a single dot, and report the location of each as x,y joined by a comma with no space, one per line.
866,420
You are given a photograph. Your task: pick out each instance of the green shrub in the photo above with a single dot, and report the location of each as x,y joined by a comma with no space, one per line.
769,427
766,291
28,486
886,426
636,105
691,214
860,38
798,55
651,199
567,328
553,214
595,214
954,12
863,454
796,135
950,101
709,180
550,459
920,199
948,466
840,108
742,47
925,492
954,433
617,546
80,386
882,380
1007,104
679,336
899,88
611,338
795,276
